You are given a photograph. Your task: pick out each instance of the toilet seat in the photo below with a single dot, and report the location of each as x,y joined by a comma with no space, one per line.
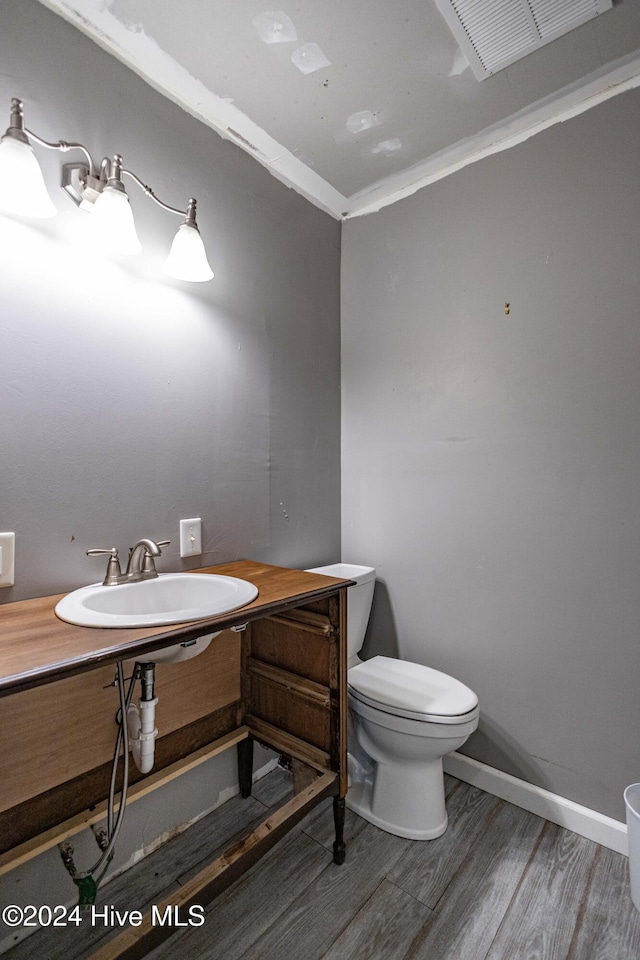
411,690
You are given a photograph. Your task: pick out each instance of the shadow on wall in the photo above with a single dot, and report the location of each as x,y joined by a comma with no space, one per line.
492,745
381,638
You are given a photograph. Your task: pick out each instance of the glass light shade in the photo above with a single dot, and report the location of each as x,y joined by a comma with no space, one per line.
112,223
22,188
187,258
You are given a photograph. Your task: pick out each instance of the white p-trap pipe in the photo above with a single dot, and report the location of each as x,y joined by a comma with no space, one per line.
142,733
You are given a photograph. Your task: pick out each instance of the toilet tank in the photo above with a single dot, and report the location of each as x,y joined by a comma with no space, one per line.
358,600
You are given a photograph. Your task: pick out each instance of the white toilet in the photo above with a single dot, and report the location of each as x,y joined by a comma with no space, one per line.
404,718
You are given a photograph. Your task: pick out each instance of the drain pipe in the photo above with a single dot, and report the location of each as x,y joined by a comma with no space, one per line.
141,721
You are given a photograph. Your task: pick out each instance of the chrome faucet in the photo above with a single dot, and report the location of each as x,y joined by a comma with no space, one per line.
141,565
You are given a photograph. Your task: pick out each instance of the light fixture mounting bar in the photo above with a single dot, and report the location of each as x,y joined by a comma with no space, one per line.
149,192
79,183
64,146
18,131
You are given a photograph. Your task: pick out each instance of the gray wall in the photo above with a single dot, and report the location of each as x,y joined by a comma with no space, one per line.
491,463
128,400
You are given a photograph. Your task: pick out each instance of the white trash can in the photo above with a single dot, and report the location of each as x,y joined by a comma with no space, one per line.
632,804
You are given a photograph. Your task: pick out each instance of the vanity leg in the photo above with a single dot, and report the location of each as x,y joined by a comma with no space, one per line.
245,766
339,848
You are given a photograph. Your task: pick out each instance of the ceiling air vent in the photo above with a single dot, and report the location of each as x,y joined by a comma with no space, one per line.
494,33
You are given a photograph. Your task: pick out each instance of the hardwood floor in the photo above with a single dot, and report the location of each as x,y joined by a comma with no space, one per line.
500,884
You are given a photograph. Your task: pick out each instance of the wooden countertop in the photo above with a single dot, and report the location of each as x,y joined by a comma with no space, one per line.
36,647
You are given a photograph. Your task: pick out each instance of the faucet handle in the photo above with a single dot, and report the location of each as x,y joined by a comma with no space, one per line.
114,573
149,571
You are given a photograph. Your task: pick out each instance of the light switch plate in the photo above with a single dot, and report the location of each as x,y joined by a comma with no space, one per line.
191,537
7,559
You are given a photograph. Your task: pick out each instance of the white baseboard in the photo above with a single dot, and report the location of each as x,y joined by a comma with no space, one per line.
264,770
582,820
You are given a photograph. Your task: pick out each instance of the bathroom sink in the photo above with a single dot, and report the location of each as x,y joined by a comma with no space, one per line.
168,598
178,652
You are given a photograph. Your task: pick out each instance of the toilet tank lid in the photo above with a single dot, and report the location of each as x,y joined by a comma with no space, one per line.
411,686
346,571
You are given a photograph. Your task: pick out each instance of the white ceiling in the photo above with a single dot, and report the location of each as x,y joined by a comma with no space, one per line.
360,102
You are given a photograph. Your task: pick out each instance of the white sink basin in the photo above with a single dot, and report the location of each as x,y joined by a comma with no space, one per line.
178,652
170,598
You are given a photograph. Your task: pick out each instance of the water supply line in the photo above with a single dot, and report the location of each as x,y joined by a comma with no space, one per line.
140,723
87,881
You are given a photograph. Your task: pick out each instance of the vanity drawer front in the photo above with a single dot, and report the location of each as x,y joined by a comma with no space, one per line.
295,648
289,707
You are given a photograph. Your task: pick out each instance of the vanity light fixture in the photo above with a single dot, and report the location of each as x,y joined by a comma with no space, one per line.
100,191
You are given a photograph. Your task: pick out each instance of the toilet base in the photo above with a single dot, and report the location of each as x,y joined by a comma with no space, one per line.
359,799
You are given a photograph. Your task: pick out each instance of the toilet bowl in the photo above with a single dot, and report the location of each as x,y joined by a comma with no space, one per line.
404,717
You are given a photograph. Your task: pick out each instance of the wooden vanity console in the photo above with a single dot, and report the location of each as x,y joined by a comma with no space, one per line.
281,680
